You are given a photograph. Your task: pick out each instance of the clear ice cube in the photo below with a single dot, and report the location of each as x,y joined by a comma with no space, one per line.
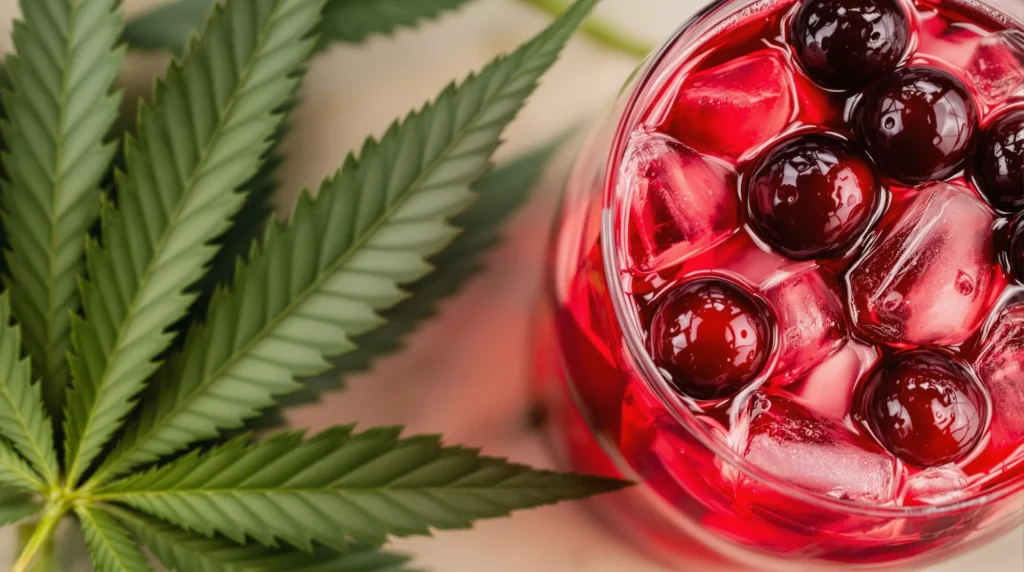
931,275
831,385
937,485
681,203
810,318
735,106
809,450
996,68
1000,365
739,257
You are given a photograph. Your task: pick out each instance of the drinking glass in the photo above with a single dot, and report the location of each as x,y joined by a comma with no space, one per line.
696,500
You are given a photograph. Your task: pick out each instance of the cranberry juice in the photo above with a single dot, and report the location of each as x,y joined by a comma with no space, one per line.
819,243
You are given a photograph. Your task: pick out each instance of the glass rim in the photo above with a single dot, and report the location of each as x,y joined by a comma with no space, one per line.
631,328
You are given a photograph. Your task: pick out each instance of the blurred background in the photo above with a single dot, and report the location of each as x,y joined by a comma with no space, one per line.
464,374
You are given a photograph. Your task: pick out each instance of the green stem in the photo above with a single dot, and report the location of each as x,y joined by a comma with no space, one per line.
601,31
40,539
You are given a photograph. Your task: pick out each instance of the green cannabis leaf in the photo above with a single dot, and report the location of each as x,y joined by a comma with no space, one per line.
56,156
500,193
180,550
169,26
16,473
338,486
23,421
110,545
112,280
352,21
16,505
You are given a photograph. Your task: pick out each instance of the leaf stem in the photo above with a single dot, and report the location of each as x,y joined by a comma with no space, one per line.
601,31
40,539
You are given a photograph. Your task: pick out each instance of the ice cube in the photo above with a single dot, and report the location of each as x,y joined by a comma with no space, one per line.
996,68
810,318
681,203
730,108
749,261
937,485
739,257
931,275
793,443
830,386
1000,365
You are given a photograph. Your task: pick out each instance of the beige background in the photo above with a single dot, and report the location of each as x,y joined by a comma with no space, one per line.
447,366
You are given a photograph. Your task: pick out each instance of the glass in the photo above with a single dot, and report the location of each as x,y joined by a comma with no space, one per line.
612,412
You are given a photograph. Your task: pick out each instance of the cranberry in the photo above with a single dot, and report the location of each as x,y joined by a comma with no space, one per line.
924,407
917,124
999,162
1015,251
812,196
711,337
845,44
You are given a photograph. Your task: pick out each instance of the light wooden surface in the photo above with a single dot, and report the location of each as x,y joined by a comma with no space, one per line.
464,374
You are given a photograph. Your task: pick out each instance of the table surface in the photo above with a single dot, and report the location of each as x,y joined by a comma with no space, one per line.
450,365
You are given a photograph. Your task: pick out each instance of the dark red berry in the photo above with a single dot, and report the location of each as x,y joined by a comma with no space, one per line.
999,162
846,44
917,124
711,337
1015,250
924,407
812,196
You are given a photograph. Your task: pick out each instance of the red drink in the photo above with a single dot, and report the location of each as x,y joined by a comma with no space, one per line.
790,301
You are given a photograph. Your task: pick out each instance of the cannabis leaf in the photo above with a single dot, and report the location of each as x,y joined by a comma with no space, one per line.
23,421
16,505
337,487
247,226
170,25
181,550
55,158
353,21
110,545
319,280
15,472
501,192
191,189
202,138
